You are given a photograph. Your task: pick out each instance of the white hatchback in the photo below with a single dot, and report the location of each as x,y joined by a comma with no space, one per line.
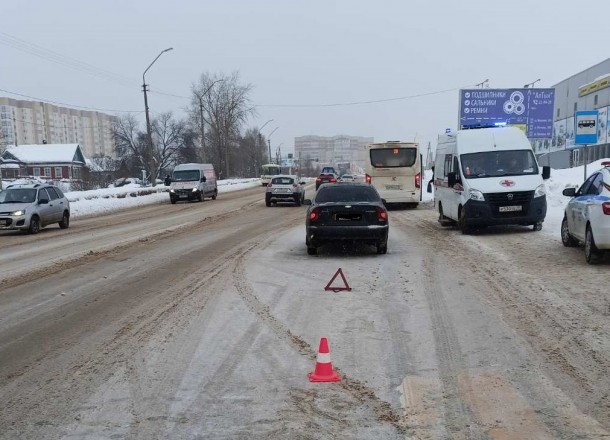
285,188
587,215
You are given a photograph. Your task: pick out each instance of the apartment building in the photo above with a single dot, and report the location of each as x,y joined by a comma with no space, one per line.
32,122
332,150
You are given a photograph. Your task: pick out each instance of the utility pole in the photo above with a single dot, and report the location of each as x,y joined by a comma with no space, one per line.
269,144
150,151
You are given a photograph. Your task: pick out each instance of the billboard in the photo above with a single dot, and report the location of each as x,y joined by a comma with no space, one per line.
532,108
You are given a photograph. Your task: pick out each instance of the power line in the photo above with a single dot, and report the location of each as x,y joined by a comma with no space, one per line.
56,57
344,104
70,105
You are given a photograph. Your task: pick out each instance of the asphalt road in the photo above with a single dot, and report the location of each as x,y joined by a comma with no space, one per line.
201,320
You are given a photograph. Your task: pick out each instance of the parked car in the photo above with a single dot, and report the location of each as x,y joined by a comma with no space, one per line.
122,181
30,207
285,189
587,215
325,178
346,212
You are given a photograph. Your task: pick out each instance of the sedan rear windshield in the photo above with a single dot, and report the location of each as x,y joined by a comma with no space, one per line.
282,181
352,194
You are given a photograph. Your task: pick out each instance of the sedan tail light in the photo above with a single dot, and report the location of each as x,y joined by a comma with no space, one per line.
318,179
367,178
314,214
269,185
606,208
333,180
294,185
382,215
418,180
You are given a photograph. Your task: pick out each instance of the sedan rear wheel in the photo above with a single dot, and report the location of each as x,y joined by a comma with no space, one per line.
592,254
382,249
312,250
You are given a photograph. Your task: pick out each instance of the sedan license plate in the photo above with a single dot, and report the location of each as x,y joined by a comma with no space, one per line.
510,208
393,187
282,190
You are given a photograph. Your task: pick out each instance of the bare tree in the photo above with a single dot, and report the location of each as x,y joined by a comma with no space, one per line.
190,148
248,159
168,140
221,103
130,143
105,163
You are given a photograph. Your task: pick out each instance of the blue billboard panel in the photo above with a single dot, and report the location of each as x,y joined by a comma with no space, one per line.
531,108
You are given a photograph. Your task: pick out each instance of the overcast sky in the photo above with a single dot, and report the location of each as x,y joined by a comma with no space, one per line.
299,56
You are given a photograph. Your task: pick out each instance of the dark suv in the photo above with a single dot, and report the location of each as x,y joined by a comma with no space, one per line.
32,207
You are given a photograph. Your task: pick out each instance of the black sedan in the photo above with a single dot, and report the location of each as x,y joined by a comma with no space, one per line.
351,212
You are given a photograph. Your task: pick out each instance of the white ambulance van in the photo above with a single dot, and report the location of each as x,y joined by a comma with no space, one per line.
488,176
193,181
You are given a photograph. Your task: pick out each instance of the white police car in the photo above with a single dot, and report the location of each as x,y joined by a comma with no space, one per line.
587,215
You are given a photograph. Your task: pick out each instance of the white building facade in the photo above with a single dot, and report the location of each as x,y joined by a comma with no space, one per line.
332,150
32,122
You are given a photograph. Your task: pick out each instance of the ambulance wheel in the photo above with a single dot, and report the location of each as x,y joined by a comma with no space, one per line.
444,221
462,224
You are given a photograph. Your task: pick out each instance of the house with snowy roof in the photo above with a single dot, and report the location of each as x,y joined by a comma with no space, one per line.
54,162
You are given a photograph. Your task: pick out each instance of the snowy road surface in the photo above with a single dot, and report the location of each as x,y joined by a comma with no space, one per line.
202,320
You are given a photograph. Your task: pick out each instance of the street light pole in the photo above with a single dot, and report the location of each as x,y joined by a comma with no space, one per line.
201,116
150,154
530,85
269,141
258,141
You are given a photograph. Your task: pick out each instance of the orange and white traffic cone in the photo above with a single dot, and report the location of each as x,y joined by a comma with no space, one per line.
324,368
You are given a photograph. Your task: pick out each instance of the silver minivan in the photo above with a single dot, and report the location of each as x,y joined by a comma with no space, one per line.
30,207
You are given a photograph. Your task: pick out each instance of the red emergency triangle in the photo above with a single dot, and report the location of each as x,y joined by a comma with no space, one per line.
338,288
